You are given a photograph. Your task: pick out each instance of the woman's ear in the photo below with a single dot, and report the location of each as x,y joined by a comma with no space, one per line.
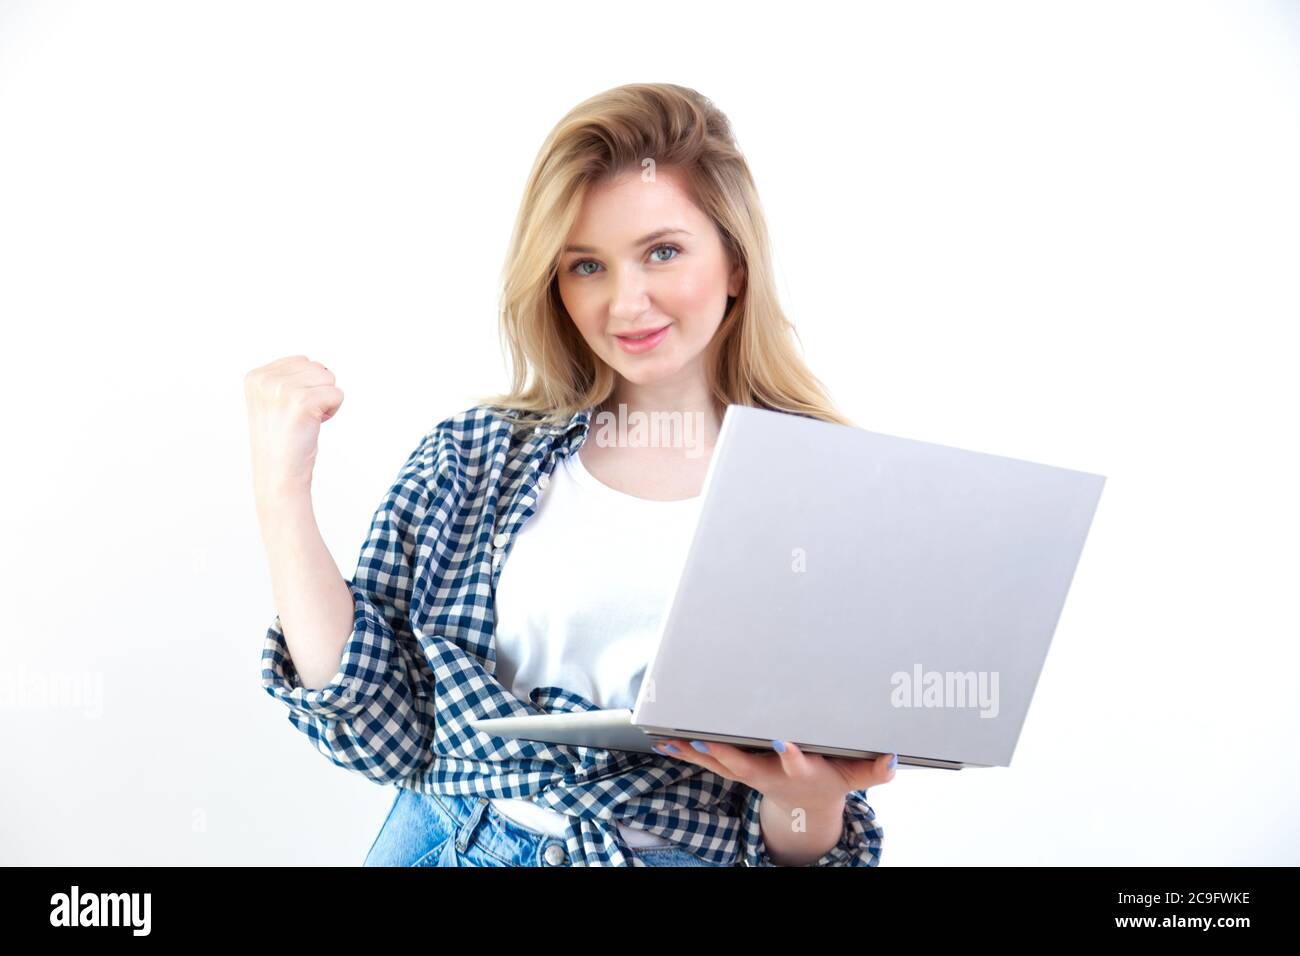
736,280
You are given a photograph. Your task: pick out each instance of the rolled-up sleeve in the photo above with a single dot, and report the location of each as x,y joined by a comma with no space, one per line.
859,844
373,716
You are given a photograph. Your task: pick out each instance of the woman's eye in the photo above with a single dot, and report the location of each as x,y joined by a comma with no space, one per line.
577,267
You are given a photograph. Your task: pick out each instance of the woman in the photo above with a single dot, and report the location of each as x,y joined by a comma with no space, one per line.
638,281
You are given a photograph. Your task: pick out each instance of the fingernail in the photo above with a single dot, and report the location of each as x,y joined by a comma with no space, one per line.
670,748
893,761
699,745
778,746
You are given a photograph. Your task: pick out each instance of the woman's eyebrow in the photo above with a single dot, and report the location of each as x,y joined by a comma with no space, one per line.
648,237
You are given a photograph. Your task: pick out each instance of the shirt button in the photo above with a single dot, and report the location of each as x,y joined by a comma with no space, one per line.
544,481
555,854
501,539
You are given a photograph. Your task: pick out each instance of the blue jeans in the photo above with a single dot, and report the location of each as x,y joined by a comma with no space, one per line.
452,830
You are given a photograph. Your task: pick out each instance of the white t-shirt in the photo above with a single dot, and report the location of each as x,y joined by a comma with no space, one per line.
580,600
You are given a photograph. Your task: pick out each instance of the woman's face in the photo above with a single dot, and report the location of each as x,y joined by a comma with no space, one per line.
641,257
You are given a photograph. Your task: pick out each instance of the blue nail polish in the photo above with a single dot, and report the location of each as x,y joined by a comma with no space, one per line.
893,762
698,745
778,746
671,749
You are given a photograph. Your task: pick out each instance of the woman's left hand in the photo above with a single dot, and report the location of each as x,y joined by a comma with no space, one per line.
789,778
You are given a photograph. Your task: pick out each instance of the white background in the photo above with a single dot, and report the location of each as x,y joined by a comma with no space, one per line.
1059,232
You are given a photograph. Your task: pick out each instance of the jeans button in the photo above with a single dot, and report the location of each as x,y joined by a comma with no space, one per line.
554,854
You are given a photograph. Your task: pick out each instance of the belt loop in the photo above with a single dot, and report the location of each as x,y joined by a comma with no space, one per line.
465,832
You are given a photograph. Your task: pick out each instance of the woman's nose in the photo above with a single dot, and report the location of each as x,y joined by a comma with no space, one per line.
628,295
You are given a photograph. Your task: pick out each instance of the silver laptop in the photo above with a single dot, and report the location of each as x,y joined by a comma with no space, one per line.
856,593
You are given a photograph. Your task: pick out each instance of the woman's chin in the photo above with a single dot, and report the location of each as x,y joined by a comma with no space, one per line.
646,373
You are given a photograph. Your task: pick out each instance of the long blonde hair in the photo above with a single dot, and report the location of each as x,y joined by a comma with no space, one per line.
608,134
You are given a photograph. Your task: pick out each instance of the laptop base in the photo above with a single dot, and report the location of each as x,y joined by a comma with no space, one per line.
754,743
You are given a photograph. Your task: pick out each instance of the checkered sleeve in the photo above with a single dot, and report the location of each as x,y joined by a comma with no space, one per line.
859,844
373,716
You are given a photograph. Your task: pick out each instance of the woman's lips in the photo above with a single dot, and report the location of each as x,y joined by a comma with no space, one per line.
645,344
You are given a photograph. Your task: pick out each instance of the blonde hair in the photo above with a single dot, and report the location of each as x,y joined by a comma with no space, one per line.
601,138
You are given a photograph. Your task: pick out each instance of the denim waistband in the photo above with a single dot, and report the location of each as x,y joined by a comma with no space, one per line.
513,844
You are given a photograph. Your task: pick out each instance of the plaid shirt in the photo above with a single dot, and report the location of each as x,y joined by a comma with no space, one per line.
421,660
